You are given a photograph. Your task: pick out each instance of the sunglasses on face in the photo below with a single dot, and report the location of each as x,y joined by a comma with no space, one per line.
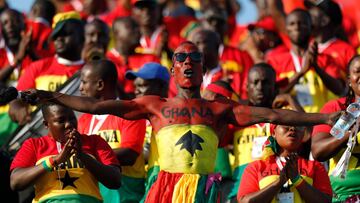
194,56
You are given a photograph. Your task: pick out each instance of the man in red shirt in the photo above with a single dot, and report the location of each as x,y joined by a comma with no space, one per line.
326,21
51,73
313,77
64,165
14,56
39,22
124,54
126,138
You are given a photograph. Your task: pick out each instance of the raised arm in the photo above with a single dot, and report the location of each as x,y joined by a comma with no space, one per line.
130,110
246,115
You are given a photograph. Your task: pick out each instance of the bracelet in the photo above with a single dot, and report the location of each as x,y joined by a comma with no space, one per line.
48,164
297,181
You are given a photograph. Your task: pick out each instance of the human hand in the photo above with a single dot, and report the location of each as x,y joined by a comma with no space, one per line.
163,44
310,57
23,46
281,100
292,166
333,117
20,112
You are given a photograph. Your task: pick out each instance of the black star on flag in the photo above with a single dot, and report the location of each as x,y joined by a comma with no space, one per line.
190,142
67,180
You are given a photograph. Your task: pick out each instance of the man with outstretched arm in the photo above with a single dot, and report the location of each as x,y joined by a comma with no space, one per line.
187,127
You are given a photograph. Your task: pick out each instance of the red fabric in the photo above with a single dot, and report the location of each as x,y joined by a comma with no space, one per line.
275,51
118,11
44,67
290,5
34,149
238,35
341,52
260,169
238,79
283,63
330,107
4,62
40,38
132,132
174,26
162,190
219,90
134,63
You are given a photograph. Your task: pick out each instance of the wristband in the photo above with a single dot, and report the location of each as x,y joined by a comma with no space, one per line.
297,181
48,165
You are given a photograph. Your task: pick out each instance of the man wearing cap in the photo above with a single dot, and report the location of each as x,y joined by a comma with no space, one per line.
52,72
188,128
124,54
151,79
126,138
326,21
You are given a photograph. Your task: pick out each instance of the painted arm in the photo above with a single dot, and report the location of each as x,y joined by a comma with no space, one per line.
130,110
246,115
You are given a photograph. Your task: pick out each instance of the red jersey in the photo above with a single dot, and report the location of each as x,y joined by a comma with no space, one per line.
118,11
174,27
41,31
310,90
118,133
70,178
48,74
7,59
340,51
135,62
275,51
236,64
261,173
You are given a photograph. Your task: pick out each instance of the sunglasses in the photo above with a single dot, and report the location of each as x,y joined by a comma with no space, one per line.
194,56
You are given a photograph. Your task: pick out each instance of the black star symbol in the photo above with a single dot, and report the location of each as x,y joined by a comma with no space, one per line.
67,180
190,142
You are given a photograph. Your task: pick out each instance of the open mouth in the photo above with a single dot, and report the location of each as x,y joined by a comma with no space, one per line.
188,73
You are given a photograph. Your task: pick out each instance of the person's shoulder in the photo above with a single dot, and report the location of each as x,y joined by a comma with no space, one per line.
343,44
42,63
334,105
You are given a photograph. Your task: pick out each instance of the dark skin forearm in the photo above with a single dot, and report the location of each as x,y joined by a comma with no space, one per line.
108,175
126,156
324,146
292,82
311,195
245,116
333,84
263,195
6,72
21,178
276,10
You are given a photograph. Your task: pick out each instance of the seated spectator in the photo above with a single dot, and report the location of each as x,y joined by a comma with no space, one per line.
97,37
325,146
282,174
64,165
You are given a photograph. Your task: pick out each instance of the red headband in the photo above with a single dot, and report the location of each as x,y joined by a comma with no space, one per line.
219,90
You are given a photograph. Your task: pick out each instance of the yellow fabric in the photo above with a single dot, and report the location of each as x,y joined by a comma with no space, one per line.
4,109
270,179
231,66
185,189
353,162
154,155
195,4
243,142
112,137
319,93
49,185
65,16
50,82
174,158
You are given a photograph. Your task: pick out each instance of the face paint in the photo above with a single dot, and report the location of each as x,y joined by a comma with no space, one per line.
187,71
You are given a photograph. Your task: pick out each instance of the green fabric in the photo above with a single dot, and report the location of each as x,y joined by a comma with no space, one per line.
71,199
152,175
222,163
212,194
344,188
238,172
131,190
7,127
